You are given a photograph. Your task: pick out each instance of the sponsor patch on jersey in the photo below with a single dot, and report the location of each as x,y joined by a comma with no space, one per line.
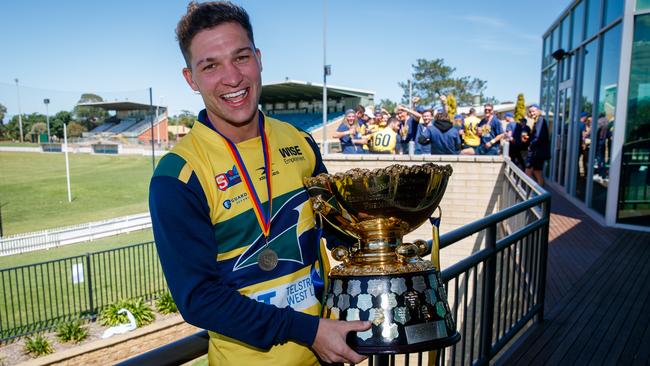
227,204
291,154
298,294
228,179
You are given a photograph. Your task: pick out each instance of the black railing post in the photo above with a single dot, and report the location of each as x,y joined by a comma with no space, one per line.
91,303
487,301
541,290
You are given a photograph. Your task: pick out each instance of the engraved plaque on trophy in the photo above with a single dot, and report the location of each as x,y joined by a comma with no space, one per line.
381,278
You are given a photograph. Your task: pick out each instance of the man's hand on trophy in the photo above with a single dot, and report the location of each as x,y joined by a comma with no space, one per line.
330,340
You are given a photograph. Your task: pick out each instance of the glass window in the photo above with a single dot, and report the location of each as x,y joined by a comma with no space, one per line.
642,4
547,50
603,131
566,32
585,117
613,10
593,17
634,188
556,39
578,24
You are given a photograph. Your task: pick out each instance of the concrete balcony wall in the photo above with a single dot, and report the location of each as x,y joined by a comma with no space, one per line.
472,193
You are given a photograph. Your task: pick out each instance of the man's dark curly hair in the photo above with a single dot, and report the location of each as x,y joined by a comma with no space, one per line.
209,15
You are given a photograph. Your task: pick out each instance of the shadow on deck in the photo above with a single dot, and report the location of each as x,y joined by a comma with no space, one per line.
598,284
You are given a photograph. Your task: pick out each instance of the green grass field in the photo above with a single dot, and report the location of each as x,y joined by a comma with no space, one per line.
33,190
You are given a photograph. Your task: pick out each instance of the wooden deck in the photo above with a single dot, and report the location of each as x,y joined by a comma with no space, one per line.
598,287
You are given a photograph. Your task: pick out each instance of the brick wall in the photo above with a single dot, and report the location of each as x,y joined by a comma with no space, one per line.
472,192
160,128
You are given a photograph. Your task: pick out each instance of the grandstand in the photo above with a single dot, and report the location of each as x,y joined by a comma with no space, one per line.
130,122
301,103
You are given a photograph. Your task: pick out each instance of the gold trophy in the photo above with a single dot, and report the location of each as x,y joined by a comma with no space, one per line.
381,278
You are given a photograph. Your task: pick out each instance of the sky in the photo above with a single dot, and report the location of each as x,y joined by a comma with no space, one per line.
118,49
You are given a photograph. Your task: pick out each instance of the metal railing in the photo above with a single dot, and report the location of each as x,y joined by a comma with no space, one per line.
52,238
40,296
493,294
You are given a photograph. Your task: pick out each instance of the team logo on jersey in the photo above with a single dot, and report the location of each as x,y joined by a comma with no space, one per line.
288,225
228,179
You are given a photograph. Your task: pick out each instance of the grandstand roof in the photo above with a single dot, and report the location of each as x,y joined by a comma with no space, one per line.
303,90
118,106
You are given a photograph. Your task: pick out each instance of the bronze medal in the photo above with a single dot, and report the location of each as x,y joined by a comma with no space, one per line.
267,259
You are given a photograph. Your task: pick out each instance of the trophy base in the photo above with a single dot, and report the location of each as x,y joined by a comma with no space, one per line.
406,348
408,311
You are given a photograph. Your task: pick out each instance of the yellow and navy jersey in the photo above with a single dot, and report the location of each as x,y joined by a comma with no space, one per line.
470,126
208,240
384,141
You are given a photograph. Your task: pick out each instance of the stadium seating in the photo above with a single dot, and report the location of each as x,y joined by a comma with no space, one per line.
305,121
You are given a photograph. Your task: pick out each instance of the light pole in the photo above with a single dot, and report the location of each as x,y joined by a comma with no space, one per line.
327,70
20,113
46,101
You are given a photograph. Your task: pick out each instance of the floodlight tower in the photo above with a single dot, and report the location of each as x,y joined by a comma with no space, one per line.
20,113
46,101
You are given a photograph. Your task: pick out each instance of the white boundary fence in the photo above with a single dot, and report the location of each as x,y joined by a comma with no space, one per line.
46,239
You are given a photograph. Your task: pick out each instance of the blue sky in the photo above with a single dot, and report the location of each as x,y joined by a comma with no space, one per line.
118,48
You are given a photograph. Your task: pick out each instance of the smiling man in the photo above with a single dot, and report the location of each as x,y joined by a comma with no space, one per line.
232,222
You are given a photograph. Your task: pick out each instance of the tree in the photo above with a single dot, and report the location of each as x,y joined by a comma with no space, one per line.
3,111
520,107
185,118
57,121
75,129
12,130
388,104
451,105
432,78
89,117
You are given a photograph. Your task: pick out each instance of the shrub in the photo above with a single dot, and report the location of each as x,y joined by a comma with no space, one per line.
165,304
71,332
141,312
38,345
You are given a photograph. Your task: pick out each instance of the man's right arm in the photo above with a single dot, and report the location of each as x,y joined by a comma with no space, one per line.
187,249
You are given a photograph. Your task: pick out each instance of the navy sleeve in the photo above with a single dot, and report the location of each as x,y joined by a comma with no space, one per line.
187,249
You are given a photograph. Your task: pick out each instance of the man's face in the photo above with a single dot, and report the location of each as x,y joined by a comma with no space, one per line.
226,70
395,126
359,115
379,117
427,117
350,118
488,111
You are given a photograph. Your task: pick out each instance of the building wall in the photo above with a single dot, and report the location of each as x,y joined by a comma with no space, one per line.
161,128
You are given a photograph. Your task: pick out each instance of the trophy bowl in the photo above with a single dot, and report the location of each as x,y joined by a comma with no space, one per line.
381,278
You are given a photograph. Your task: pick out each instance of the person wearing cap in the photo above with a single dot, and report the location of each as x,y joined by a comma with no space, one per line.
490,132
349,134
471,139
539,148
380,119
445,139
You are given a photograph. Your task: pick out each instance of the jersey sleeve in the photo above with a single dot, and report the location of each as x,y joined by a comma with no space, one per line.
187,248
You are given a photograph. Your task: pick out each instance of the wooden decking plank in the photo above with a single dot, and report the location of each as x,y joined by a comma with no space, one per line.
589,339
535,343
579,315
642,357
630,311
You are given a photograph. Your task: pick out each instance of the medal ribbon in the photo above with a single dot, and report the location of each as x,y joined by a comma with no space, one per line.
263,217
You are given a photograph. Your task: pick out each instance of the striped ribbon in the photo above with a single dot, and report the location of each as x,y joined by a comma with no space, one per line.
263,217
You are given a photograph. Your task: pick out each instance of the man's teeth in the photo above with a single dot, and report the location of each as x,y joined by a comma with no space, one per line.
235,94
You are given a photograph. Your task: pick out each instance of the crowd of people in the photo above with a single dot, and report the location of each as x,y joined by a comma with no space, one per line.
421,130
